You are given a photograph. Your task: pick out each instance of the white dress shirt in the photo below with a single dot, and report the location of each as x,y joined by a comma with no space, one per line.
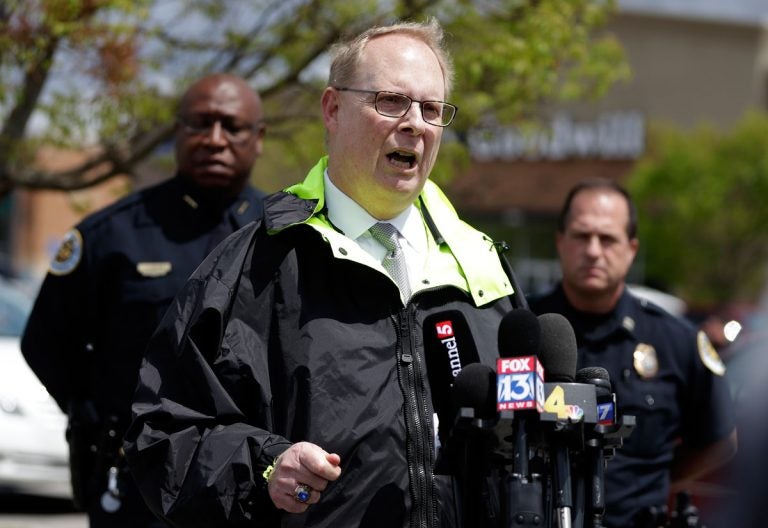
354,221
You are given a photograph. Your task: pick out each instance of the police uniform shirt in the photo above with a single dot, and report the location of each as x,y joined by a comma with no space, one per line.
110,283
665,374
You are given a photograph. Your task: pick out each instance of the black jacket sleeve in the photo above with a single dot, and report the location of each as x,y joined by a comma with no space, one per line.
200,438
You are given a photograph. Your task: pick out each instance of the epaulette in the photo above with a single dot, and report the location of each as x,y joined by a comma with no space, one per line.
651,307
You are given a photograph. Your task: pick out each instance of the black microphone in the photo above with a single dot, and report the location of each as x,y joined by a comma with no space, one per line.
473,409
595,456
470,445
602,441
606,400
558,355
519,336
475,388
520,385
448,348
558,350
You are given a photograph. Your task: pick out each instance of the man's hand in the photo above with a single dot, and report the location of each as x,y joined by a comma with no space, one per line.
302,463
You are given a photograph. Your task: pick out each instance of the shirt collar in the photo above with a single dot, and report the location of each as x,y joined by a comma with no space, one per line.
354,221
597,327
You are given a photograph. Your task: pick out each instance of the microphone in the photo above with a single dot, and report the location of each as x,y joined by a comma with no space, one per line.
558,350
520,375
602,441
595,452
473,406
558,353
449,347
606,400
520,387
470,445
519,381
474,388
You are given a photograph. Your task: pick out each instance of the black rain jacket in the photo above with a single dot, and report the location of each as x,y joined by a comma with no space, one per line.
284,335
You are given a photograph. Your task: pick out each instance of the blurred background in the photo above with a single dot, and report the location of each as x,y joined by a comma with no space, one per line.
669,97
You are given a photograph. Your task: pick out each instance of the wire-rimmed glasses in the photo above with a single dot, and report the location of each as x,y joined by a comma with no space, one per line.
393,104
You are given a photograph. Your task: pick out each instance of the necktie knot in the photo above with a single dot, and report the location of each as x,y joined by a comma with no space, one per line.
387,235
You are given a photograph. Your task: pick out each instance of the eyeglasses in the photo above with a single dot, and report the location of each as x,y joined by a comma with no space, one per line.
235,133
393,104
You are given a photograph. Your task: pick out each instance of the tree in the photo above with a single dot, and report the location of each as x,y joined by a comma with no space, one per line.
700,197
107,73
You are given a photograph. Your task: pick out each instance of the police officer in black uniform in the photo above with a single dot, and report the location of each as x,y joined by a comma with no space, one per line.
117,272
662,370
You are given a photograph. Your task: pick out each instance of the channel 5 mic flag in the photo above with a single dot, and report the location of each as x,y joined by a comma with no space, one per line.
519,383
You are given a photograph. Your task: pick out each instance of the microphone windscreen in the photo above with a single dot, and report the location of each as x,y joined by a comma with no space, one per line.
597,376
448,348
558,350
519,334
475,387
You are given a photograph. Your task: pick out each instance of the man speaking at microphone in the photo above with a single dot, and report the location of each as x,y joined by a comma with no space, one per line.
663,372
288,384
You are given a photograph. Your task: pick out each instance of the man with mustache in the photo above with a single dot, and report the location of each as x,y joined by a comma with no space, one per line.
662,370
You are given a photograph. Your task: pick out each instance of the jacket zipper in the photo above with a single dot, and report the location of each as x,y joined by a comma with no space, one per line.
417,430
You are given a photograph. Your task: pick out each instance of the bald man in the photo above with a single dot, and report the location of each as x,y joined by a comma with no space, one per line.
115,275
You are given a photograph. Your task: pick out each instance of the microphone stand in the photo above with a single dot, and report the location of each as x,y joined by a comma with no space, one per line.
601,447
563,493
522,491
465,454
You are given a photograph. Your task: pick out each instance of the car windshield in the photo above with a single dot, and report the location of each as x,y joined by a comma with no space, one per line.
14,310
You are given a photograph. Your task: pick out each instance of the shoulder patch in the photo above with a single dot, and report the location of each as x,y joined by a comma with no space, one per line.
69,254
709,355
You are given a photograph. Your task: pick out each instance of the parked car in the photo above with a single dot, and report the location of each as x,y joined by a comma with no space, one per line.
670,303
33,449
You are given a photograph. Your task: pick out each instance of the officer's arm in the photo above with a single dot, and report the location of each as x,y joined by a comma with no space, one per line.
691,464
54,342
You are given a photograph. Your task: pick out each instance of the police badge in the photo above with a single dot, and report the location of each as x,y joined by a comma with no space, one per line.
645,361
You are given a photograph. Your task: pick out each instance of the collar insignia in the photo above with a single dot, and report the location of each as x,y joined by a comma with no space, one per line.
190,201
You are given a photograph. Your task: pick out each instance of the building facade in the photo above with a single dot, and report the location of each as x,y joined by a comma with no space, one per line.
692,63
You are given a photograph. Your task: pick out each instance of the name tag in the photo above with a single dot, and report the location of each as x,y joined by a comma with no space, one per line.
153,269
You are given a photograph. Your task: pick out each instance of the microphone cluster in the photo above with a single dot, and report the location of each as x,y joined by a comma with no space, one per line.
530,440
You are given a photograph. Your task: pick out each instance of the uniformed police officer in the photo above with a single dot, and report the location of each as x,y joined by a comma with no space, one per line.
662,370
119,269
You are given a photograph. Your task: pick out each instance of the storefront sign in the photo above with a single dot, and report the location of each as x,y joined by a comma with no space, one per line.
616,135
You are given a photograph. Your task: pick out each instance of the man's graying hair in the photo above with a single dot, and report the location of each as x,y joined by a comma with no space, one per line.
346,55
599,184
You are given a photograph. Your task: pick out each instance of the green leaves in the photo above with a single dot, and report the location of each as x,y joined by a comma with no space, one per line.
701,197
513,56
108,72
